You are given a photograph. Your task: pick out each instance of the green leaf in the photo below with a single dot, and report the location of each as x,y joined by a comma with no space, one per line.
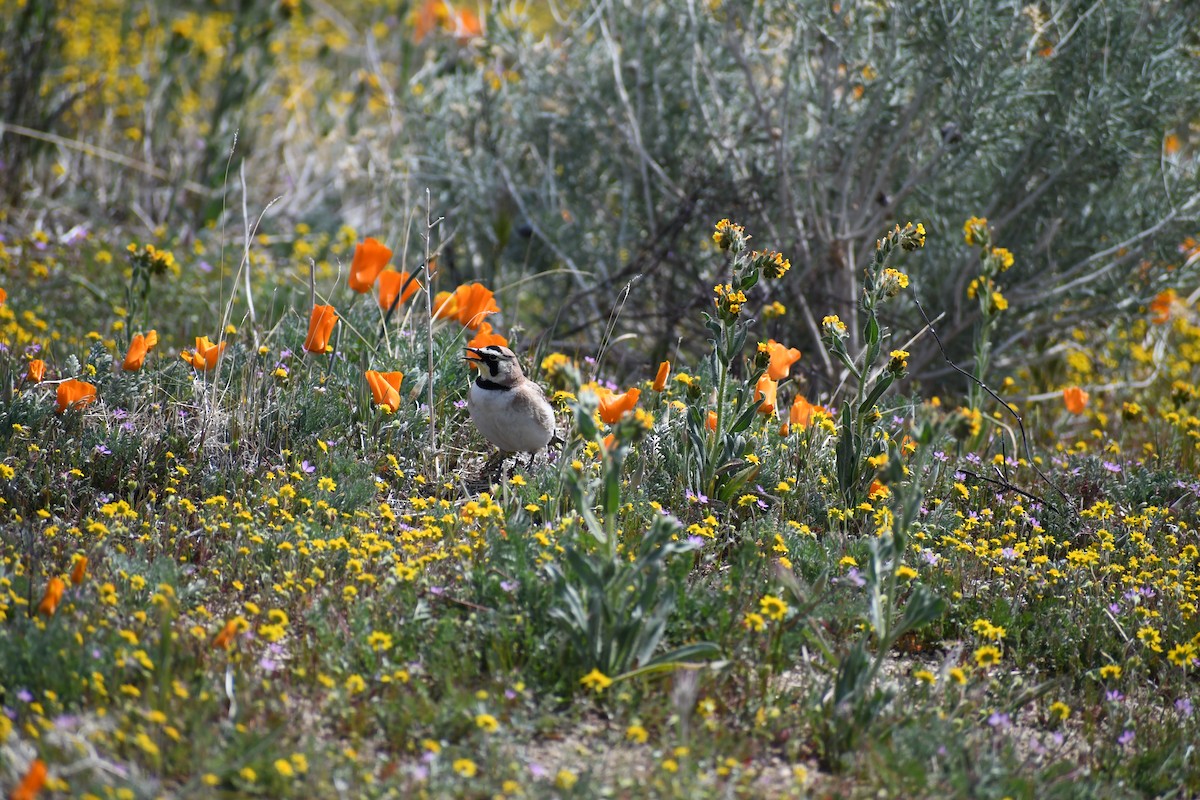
881,385
923,607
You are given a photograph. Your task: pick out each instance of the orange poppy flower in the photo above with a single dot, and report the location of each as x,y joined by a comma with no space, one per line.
660,379
385,388
614,406
1075,399
452,18
609,441
79,571
473,302
320,326
37,371
225,637
390,284
3,297
782,359
802,411
139,346
32,783
370,257
74,394
710,422
52,597
1161,305
205,355
878,491
445,305
485,337
766,390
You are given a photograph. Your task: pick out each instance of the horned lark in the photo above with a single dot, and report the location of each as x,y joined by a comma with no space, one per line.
510,410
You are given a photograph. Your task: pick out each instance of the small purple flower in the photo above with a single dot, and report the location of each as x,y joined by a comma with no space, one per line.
974,458
1114,608
1111,467
1126,738
931,558
855,577
537,770
509,586
1008,553
204,266
437,591
1184,706
999,720
460,404
119,414
696,541
25,696
307,468
1113,696
940,456
101,450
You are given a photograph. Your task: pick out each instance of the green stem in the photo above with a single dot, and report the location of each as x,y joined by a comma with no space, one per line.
722,384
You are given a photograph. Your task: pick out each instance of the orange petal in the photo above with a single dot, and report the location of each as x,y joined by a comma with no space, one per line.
660,379
370,257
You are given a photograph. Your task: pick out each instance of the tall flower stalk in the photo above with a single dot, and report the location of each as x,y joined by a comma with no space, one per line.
717,441
861,440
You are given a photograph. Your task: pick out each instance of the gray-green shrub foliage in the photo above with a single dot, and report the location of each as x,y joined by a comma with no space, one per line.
619,144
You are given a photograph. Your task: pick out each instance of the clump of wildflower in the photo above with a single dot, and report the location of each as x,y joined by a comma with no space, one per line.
891,281
772,264
912,237
987,630
775,310
832,327
975,230
1002,257
898,362
151,259
596,680
730,236
728,301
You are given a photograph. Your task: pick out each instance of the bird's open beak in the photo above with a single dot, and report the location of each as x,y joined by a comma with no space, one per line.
473,356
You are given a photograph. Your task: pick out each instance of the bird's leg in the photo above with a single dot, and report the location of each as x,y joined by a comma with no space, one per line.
529,466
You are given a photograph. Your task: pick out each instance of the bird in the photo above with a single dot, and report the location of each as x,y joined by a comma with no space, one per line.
510,410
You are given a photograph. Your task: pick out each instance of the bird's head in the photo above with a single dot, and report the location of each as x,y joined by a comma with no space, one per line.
497,364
